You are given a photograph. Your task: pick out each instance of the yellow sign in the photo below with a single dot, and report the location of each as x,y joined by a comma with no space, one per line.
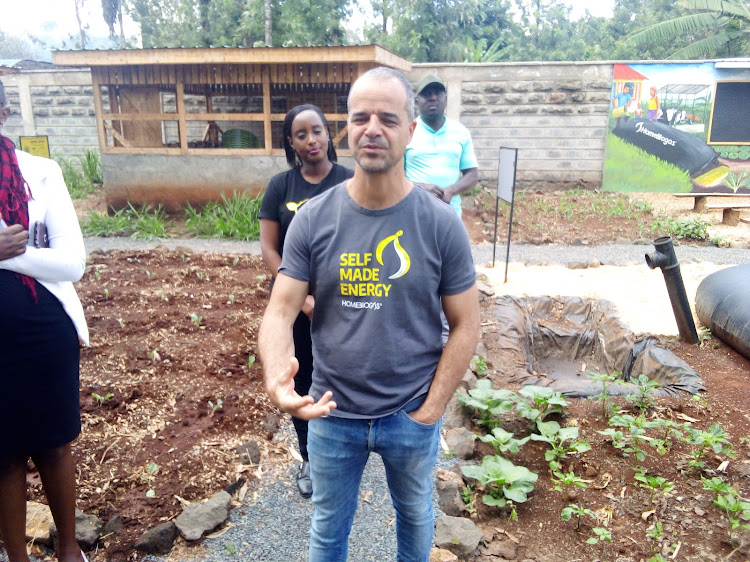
38,146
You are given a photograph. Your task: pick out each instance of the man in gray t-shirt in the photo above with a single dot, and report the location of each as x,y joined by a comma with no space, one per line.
382,258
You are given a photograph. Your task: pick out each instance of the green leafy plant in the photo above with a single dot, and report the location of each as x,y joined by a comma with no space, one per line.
541,402
736,510
196,319
654,484
488,402
564,483
654,533
505,482
712,440
644,397
603,396
215,407
600,535
101,399
503,441
691,228
149,478
78,185
574,510
479,366
231,218
630,441
561,440
251,361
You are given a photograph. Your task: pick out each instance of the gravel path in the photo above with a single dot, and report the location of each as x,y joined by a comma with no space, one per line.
273,523
611,254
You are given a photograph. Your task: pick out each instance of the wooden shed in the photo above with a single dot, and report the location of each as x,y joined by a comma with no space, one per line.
187,125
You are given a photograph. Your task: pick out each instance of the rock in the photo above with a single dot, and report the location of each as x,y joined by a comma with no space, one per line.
642,242
468,381
457,534
485,288
504,549
88,529
249,452
271,423
577,265
113,526
158,540
623,242
442,555
38,523
594,263
198,518
456,414
449,497
460,442
481,351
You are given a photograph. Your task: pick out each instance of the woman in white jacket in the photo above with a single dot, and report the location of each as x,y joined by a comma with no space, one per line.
41,323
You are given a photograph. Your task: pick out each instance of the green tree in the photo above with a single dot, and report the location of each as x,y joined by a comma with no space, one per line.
16,47
112,13
715,27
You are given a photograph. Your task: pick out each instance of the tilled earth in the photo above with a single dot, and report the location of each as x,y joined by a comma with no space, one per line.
173,362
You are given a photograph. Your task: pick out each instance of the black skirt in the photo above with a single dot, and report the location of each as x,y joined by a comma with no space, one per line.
39,370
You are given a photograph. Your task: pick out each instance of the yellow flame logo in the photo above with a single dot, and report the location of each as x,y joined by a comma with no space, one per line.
400,252
294,207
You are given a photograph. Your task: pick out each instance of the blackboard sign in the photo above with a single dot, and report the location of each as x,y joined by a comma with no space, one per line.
730,117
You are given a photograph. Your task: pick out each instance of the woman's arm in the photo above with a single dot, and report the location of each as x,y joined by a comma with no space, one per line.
65,259
269,244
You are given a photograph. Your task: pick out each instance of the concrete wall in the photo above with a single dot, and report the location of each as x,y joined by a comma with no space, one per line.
170,181
556,114
58,104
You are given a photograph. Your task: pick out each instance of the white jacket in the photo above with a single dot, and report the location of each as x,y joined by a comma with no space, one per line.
64,262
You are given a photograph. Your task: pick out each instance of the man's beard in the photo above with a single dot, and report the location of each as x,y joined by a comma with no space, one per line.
381,165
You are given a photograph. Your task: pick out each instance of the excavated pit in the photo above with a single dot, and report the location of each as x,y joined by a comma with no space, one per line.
556,341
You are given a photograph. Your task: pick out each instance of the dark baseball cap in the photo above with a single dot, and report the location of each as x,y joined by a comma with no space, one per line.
429,80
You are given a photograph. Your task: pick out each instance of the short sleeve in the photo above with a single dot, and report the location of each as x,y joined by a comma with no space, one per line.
272,199
295,260
468,158
458,273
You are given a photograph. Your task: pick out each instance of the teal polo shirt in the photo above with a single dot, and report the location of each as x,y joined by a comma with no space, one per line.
439,156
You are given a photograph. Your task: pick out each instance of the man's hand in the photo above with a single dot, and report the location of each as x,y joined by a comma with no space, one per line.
282,393
423,416
13,240
435,190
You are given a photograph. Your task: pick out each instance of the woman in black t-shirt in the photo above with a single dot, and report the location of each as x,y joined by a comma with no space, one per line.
311,156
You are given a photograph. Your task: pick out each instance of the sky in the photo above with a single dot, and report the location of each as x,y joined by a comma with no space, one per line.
54,20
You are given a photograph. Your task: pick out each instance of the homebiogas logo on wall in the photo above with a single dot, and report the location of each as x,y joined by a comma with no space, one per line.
654,135
364,275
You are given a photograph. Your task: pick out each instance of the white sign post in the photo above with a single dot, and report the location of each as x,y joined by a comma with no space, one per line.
506,190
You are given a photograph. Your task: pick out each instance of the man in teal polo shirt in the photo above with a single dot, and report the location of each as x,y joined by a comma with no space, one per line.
440,156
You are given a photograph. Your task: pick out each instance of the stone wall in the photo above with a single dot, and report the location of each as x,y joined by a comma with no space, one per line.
58,104
555,114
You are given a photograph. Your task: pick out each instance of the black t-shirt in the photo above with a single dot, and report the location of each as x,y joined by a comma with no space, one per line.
288,191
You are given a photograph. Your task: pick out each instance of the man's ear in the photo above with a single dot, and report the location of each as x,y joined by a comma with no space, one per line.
412,127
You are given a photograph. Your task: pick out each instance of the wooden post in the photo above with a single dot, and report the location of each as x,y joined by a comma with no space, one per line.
182,122
99,111
267,133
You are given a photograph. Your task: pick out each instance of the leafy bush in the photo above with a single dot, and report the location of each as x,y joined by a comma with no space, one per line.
79,186
91,165
232,218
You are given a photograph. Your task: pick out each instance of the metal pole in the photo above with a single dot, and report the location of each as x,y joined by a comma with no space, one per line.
494,236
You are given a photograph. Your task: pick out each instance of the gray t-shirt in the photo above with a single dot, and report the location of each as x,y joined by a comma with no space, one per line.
377,278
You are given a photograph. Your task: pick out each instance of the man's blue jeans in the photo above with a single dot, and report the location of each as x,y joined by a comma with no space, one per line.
339,448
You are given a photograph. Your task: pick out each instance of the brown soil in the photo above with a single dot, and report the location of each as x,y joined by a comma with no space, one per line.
175,332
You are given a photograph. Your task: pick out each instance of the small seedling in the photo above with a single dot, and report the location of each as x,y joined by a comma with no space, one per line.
149,477
251,361
101,399
644,399
479,366
97,275
561,440
577,511
231,549
106,293
603,397
653,484
154,355
231,298
736,511
602,535
214,407
121,322
196,319
564,482
503,441
654,533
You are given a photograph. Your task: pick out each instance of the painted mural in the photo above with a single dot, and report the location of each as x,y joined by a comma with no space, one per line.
679,128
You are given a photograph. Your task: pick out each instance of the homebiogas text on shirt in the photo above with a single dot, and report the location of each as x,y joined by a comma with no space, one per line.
361,274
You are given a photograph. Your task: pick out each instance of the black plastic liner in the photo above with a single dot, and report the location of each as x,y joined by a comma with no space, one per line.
555,341
722,303
677,147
